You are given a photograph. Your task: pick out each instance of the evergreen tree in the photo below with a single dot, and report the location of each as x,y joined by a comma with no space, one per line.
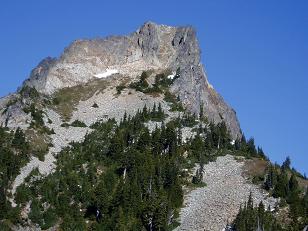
237,144
3,202
282,188
159,109
286,164
261,216
293,197
293,184
251,148
19,140
271,178
144,113
261,153
252,219
201,113
198,177
305,205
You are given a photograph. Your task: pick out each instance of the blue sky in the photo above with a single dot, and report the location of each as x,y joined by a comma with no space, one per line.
255,53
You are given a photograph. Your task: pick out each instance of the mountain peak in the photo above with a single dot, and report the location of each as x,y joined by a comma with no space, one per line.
152,47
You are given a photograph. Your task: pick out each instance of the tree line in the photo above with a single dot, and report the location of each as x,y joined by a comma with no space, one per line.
122,176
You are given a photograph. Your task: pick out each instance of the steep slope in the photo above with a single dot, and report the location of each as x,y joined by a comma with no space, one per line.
216,205
151,47
96,80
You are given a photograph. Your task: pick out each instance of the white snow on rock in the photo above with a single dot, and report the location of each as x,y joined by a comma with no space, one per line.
107,73
172,75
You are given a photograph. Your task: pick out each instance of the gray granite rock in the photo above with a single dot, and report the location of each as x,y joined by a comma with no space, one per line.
152,46
212,207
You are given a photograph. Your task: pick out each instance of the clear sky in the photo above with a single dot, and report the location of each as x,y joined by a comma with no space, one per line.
255,53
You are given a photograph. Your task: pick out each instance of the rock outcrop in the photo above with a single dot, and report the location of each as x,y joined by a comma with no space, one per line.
151,47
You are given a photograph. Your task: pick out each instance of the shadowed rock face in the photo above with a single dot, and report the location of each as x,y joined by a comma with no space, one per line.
156,47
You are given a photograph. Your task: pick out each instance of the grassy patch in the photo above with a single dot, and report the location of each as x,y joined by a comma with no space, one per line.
39,143
254,168
193,186
65,100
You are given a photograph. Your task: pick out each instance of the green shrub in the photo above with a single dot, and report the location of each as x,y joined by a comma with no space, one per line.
23,194
30,92
37,116
142,84
95,105
162,80
47,130
120,89
162,83
56,101
35,214
169,97
174,101
50,219
78,123
257,179
65,125
40,153
5,225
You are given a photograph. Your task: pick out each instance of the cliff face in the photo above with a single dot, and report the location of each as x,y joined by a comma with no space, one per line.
151,47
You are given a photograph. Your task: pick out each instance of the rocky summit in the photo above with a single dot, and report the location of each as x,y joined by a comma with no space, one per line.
152,47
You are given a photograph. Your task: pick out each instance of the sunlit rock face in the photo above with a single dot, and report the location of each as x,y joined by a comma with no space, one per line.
151,47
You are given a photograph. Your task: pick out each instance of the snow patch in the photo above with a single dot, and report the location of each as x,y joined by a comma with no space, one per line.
172,75
107,73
